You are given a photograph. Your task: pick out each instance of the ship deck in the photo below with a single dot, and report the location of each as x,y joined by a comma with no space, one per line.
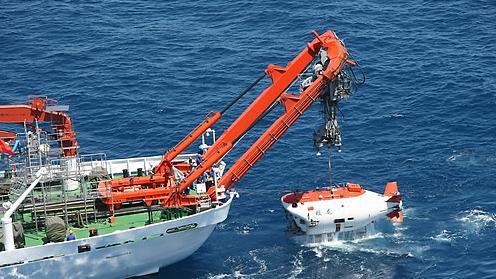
82,209
35,237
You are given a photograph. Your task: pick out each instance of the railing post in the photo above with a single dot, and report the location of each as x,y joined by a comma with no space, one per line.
8,233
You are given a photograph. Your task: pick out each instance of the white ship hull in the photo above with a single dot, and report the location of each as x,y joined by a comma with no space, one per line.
120,254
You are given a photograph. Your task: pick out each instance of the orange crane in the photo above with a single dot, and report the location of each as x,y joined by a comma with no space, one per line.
162,187
39,109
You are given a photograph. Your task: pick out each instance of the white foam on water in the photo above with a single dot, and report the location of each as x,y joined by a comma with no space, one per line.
220,276
322,243
354,247
259,261
297,265
337,240
400,230
471,157
235,274
15,274
478,219
246,228
253,266
317,251
445,236
348,246
454,157
220,226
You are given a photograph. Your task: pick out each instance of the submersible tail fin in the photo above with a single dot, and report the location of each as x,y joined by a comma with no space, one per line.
391,189
394,197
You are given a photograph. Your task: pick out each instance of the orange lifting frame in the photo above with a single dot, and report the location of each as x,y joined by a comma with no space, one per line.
36,111
282,78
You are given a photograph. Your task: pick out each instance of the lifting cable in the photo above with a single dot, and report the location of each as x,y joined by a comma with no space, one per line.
330,167
243,93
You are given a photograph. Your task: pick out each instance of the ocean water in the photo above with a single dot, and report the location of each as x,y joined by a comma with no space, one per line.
138,75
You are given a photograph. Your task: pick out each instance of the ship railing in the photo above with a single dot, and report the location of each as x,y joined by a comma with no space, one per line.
203,202
76,167
137,165
63,168
90,162
34,150
54,199
7,228
38,147
52,187
145,165
3,199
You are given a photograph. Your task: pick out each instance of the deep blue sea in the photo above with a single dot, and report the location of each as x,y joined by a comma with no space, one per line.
138,75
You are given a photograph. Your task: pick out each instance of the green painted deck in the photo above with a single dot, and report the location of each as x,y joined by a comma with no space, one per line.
135,220
35,237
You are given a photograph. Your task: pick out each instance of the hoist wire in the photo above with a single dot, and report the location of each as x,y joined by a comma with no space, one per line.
246,90
329,170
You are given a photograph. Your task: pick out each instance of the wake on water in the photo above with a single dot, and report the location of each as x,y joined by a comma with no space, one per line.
337,238
477,220
372,239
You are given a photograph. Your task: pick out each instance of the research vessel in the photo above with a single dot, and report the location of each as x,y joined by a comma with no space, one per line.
68,214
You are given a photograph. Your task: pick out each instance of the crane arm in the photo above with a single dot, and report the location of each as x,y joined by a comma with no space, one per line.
36,110
172,153
162,185
208,122
295,106
282,78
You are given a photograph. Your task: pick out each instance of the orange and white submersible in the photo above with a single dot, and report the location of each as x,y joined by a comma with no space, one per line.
346,210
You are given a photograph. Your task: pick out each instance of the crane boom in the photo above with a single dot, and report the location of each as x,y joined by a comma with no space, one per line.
282,78
171,154
325,49
37,110
295,105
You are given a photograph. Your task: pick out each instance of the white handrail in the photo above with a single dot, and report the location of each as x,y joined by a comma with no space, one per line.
8,232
